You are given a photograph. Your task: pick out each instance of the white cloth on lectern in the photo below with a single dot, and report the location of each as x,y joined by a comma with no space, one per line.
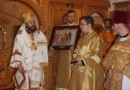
125,83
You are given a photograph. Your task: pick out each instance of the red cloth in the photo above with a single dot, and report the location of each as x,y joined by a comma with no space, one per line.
121,17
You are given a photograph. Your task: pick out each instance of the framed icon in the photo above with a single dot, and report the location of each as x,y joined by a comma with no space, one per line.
64,37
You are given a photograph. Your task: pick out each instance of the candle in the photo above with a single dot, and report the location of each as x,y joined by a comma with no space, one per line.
0,26
4,39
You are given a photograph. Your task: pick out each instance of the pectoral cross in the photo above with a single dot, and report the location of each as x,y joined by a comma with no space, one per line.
33,46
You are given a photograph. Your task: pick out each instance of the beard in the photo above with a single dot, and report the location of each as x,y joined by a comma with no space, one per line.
107,27
31,29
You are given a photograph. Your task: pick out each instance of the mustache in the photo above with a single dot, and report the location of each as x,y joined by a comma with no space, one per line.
33,26
31,29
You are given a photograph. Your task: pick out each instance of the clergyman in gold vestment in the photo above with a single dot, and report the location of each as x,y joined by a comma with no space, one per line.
117,61
65,57
87,73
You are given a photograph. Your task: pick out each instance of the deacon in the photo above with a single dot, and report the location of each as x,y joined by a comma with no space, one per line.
108,35
87,73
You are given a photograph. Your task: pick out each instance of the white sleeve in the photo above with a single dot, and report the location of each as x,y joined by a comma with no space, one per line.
16,57
45,49
125,83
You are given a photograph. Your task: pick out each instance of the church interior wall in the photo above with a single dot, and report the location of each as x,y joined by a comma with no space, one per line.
49,14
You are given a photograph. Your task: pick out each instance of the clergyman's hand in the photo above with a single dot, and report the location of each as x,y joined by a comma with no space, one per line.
20,68
105,84
79,62
51,49
72,48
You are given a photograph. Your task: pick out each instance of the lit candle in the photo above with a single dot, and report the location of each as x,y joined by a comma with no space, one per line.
0,26
4,39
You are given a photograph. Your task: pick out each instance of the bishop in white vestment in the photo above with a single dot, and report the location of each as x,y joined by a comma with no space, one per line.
30,53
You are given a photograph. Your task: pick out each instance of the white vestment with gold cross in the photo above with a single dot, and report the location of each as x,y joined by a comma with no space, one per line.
32,54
